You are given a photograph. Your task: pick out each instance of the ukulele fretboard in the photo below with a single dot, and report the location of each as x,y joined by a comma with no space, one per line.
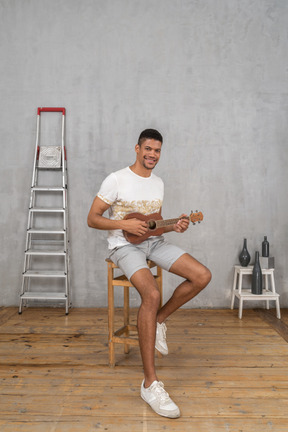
163,223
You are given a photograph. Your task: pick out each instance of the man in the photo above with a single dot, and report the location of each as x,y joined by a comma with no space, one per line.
137,189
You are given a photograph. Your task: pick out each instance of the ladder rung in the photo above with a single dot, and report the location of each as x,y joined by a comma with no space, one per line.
44,295
49,168
45,252
48,188
46,231
47,243
47,209
44,273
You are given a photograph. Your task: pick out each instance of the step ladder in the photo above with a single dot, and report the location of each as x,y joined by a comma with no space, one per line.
46,276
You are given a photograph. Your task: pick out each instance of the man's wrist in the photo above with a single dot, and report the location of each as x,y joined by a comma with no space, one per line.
169,229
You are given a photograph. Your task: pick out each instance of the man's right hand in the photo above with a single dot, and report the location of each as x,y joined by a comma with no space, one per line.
135,226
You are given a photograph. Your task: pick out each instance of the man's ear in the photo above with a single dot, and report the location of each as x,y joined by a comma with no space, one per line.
137,148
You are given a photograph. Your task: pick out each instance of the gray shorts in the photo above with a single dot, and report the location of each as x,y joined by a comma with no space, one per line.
131,258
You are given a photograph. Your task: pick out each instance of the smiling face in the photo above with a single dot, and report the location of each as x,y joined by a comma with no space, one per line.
148,153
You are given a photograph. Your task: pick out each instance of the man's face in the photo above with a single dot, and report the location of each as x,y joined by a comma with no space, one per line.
148,154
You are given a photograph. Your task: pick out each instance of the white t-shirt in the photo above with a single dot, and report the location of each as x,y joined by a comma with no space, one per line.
127,192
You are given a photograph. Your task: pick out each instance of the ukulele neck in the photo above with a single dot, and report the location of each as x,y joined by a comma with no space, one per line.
167,222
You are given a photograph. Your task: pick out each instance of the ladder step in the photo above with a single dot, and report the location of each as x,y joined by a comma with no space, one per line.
55,252
48,245
44,273
49,168
45,231
47,209
48,188
44,296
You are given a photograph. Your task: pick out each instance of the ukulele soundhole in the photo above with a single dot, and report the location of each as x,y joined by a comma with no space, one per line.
152,225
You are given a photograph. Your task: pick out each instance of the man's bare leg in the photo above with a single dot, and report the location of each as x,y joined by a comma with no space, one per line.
145,284
197,278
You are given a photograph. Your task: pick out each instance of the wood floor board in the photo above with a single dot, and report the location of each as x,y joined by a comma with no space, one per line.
209,360
144,424
39,377
74,408
210,334
53,393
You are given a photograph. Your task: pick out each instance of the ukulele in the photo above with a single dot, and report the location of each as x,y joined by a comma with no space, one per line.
156,224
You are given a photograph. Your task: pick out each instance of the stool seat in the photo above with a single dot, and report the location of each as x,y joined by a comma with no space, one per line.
123,334
246,294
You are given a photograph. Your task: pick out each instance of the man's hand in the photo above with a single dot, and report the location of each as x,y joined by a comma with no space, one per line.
182,225
135,226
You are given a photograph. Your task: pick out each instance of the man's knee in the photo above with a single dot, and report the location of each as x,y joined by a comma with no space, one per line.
151,298
204,277
200,278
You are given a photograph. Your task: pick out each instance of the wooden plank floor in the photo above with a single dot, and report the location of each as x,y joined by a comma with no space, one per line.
226,374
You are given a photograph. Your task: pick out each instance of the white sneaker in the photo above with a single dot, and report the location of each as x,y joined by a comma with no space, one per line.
160,342
159,400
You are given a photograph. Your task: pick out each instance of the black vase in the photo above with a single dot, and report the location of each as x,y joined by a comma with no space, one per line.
244,256
265,247
257,276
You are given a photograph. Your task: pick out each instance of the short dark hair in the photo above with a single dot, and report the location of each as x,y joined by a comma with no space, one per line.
149,134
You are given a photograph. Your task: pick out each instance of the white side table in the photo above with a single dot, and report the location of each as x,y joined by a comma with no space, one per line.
246,294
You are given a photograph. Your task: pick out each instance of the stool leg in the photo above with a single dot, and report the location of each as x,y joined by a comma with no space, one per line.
160,284
273,283
126,317
266,288
278,308
277,299
240,298
111,316
233,289
240,279
266,282
240,307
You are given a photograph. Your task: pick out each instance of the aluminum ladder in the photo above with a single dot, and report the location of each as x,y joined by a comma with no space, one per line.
46,275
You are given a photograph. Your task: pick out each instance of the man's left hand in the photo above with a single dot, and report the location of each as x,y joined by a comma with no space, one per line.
182,225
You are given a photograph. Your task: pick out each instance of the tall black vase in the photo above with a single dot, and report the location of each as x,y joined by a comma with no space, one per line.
265,247
244,256
257,276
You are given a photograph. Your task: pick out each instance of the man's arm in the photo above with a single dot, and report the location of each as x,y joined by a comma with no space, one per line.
97,220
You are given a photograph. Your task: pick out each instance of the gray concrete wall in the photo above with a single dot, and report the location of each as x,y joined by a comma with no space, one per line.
210,75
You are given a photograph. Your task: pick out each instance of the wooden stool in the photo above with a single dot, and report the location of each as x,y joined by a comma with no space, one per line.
122,335
246,294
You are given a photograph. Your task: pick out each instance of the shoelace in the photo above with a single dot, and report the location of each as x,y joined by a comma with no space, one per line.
158,387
